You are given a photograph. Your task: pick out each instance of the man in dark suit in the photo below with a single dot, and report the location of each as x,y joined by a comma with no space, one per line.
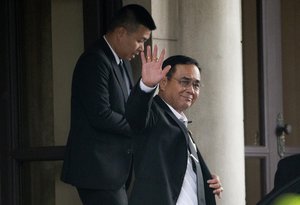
167,161
287,179
98,156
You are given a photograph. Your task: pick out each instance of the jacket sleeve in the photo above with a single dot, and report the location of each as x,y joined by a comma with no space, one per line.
138,109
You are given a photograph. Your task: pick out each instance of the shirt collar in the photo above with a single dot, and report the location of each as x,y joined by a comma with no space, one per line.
180,116
118,60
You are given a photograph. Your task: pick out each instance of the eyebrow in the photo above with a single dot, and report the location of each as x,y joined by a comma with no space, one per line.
187,78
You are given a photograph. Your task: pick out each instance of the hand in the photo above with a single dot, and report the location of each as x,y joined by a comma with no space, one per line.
152,72
215,184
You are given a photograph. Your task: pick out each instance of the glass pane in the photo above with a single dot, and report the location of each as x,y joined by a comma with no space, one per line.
51,43
251,75
254,178
42,185
291,68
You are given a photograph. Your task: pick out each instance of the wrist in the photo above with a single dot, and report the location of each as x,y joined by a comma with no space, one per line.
145,87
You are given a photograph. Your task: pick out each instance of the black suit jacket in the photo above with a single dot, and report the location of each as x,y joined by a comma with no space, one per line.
99,148
288,169
160,157
287,179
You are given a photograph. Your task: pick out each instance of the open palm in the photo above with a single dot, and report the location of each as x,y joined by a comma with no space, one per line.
152,71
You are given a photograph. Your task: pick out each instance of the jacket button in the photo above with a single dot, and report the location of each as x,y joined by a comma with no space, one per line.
129,151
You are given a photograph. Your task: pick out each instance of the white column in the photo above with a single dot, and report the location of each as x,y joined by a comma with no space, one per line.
210,31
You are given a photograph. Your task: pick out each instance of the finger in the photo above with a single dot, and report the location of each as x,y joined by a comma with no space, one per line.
143,59
213,181
148,53
162,55
218,192
215,177
215,186
219,195
154,54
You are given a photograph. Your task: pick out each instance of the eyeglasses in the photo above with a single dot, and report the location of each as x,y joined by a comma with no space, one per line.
187,82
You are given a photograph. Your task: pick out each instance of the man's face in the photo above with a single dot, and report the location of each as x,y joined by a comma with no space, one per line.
183,88
132,43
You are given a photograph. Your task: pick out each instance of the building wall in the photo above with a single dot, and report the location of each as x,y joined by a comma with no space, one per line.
67,46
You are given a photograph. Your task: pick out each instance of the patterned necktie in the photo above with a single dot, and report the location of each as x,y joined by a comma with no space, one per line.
196,167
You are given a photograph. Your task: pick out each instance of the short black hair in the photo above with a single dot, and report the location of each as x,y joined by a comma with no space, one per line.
131,16
179,59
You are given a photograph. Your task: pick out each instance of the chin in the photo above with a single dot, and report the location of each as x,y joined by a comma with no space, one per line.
185,107
188,105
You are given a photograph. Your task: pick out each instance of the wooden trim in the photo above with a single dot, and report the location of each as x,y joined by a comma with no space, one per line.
40,154
271,39
254,151
9,104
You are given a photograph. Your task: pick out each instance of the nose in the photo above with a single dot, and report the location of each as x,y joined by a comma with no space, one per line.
190,88
141,47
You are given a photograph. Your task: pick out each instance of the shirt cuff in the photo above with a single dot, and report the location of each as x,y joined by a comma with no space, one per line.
146,88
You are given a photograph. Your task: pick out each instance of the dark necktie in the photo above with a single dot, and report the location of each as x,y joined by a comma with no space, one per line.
125,77
196,167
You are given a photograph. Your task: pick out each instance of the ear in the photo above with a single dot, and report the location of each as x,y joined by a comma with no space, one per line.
121,31
163,83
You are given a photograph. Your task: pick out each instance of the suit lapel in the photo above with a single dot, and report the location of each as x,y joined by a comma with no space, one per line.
129,72
116,68
166,109
120,79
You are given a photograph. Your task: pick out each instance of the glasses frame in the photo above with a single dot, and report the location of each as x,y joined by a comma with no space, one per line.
187,82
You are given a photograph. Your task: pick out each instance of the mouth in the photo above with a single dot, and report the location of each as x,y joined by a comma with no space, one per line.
188,98
133,55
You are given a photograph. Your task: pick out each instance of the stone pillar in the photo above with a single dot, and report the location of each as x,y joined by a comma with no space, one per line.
210,31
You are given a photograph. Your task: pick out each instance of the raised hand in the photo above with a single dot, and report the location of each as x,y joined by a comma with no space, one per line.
152,71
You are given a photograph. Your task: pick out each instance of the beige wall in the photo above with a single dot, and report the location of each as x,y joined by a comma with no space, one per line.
166,16
67,45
